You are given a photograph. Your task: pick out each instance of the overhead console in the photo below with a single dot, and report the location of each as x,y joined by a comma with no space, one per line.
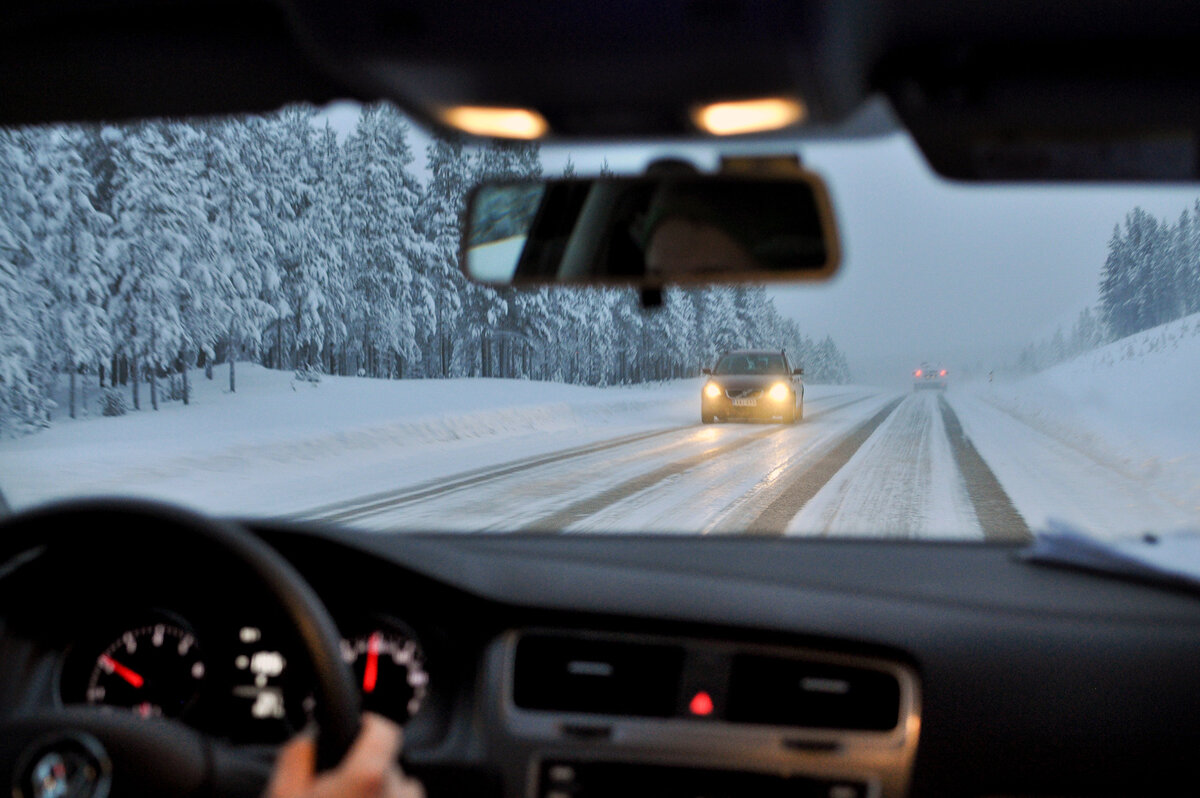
591,715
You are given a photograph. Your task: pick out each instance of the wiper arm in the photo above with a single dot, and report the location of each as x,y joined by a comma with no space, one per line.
1165,560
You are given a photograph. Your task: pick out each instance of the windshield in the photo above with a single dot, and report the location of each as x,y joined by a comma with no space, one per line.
264,316
750,363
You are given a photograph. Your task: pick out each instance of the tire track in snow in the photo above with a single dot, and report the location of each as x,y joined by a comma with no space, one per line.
654,502
903,482
577,511
993,507
383,502
773,520
374,504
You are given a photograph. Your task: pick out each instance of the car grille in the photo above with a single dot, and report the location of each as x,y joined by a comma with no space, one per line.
748,393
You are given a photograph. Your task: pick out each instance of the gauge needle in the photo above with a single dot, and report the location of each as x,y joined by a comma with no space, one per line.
126,674
371,672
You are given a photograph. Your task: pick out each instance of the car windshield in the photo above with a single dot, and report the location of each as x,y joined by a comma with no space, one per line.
750,363
265,316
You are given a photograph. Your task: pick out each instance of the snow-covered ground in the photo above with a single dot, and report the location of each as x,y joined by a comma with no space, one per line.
1109,441
279,444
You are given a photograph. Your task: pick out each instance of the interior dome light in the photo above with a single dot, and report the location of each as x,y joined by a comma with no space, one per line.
507,123
749,116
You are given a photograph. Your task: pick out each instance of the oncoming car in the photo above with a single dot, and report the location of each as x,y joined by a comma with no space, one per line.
752,384
927,377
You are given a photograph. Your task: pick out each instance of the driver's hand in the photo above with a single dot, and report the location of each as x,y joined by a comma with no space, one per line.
369,770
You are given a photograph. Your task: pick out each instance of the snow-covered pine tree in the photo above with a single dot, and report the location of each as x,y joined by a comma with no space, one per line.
71,246
379,223
158,215
25,358
1117,287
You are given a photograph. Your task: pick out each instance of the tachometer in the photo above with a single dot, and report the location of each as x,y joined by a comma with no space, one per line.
153,670
390,669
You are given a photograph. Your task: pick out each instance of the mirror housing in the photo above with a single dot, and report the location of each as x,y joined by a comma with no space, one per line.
706,371
651,231
798,372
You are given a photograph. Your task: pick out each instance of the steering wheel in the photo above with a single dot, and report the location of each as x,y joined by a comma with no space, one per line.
83,752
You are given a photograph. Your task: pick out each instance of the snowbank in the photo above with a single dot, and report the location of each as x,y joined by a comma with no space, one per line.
1137,396
1130,407
277,429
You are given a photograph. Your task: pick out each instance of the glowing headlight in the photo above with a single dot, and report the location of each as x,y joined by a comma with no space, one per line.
712,390
778,392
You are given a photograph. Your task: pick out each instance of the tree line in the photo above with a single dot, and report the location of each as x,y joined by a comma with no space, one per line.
1151,276
129,254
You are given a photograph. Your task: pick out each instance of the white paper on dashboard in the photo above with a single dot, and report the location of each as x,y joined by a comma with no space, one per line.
1172,558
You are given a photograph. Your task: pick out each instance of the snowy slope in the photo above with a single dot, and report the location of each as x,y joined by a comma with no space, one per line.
1109,440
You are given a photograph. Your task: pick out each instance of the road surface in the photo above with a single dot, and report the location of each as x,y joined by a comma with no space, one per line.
861,463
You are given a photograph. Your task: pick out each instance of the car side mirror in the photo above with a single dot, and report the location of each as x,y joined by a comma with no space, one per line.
797,371
706,371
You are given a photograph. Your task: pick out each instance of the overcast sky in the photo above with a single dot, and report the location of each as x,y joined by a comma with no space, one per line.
938,271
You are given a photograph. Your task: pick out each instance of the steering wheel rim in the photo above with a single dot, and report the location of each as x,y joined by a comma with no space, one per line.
337,711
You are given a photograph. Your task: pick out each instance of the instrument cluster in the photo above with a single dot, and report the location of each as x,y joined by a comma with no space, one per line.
242,680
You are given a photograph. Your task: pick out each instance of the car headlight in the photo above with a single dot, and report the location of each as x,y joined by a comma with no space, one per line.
778,392
712,390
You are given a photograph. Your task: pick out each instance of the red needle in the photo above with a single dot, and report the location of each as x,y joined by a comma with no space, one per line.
371,673
126,674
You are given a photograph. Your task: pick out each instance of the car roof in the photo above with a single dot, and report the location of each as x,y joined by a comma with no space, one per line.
1074,89
754,352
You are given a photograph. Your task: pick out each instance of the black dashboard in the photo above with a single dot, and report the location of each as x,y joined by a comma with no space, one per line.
553,666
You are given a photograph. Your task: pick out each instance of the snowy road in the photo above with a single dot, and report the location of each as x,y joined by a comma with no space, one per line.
860,463
984,462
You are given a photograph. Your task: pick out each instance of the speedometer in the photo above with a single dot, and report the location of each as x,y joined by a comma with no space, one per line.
389,666
153,670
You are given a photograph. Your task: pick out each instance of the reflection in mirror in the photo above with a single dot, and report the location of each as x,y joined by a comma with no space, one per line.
651,230
501,216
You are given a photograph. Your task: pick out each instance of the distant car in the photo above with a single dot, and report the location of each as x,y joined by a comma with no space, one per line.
752,384
927,377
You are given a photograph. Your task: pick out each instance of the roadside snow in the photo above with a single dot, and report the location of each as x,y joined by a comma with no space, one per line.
278,442
1109,440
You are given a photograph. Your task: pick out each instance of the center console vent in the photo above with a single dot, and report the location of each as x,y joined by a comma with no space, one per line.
816,695
579,674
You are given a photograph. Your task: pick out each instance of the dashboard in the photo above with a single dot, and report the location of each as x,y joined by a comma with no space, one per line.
545,667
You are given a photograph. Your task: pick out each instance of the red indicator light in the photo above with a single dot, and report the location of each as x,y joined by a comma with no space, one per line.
942,373
917,373
701,704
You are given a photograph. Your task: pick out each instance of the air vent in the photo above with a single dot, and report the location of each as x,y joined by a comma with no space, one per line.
817,695
567,674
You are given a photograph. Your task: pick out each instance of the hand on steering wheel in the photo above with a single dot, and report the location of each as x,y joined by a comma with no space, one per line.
368,771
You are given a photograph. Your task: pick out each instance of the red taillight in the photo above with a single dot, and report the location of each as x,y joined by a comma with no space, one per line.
942,373
917,373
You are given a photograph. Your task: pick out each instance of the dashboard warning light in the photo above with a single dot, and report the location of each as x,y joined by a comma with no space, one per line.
701,704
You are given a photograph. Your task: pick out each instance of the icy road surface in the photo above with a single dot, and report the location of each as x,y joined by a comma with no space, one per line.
501,456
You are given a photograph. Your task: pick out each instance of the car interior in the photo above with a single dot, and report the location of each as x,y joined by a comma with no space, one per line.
590,665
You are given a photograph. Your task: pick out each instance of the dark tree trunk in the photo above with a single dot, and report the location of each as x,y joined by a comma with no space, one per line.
71,389
133,369
232,375
183,370
153,371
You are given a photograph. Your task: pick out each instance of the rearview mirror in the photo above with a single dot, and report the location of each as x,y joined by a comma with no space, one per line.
651,231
